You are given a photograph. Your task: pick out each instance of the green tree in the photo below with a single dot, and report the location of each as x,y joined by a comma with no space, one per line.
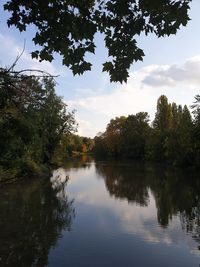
162,124
185,137
113,136
163,117
173,136
175,117
32,122
68,28
99,145
135,132
54,118
196,133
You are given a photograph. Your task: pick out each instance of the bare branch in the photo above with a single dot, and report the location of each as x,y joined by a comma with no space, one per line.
17,58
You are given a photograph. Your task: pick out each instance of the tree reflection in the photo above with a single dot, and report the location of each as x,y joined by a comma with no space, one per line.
124,183
175,192
32,219
191,220
83,161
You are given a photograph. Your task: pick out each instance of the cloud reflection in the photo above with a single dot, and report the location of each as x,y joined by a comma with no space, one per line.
132,217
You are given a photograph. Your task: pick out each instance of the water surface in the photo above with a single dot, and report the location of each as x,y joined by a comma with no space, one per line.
102,214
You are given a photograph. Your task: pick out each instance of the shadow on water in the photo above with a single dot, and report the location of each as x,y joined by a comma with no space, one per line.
176,192
32,218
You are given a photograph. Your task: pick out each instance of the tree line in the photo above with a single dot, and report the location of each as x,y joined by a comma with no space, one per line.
37,130
173,136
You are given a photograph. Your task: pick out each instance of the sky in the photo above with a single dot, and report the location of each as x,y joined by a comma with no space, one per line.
171,66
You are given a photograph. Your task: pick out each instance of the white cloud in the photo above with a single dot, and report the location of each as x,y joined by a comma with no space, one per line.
172,75
86,127
179,83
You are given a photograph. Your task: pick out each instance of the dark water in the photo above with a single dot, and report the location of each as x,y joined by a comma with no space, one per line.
106,214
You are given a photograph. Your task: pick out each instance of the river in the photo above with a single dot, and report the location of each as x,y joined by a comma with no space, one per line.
102,214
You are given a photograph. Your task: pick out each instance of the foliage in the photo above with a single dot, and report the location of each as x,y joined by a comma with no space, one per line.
124,136
72,145
68,28
32,122
113,136
163,115
196,132
173,136
135,131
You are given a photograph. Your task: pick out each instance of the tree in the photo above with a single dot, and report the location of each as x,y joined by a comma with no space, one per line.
178,143
175,116
163,115
113,137
173,137
185,139
32,122
135,132
162,124
99,145
196,133
68,28
88,145
54,118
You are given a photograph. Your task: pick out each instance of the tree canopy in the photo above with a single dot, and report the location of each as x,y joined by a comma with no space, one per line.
68,27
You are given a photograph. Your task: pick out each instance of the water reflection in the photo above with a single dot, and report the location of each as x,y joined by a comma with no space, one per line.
82,162
125,183
32,219
127,214
59,181
175,193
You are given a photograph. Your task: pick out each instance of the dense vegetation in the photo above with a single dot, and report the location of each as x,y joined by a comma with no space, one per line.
37,131
68,28
172,137
32,122
72,145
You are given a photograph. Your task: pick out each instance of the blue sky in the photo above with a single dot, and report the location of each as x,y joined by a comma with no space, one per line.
171,67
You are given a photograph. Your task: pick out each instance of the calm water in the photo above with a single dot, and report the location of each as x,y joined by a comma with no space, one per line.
106,214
